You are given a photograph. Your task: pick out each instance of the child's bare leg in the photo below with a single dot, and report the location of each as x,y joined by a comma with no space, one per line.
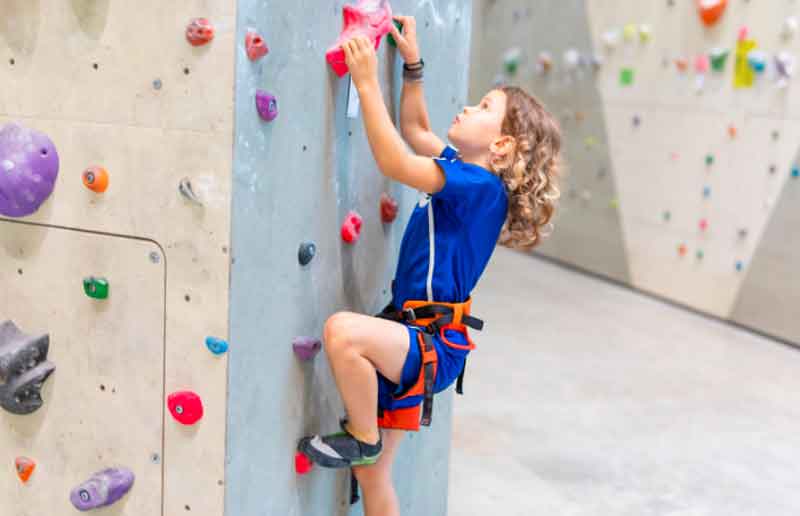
375,481
356,346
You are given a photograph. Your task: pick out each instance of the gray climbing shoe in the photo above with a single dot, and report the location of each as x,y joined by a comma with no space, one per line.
340,450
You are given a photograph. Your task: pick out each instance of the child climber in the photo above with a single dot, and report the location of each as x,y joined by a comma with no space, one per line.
496,184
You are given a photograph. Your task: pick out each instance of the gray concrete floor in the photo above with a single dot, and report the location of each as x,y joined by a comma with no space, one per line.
586,398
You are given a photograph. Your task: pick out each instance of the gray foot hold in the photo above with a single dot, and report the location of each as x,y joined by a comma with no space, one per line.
23,369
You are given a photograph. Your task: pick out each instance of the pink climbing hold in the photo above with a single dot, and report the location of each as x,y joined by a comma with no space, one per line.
256,46
702,63
370,18
199,32
744,32
306,348
351,228
267,105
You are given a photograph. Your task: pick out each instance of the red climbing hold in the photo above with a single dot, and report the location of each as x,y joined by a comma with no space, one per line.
256,46
351,229
25,467
185,406
370,18
199,32
388,208
302,464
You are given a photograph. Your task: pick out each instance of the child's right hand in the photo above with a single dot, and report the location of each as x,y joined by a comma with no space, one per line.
407,42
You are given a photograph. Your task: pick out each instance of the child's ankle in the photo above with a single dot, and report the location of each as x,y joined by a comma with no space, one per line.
365,438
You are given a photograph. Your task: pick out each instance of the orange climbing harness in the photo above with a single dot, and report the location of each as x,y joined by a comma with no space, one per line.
434,318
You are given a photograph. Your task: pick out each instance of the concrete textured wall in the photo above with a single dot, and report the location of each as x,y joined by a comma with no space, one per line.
294,180
636,152
85,72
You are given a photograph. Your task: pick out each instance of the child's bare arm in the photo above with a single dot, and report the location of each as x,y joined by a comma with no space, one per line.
414,123
387,146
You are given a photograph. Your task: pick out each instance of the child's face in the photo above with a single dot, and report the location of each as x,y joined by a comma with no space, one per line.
474,129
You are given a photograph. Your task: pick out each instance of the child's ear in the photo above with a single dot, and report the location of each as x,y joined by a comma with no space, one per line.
503,146
501,152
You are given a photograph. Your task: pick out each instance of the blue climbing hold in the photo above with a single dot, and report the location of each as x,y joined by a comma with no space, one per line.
795,171
707,191
216,346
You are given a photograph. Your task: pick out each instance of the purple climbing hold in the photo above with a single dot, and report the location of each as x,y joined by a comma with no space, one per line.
306,348
28,170
267,105
103,488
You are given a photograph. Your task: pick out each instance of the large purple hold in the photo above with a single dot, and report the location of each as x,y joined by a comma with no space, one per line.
28,170
103,488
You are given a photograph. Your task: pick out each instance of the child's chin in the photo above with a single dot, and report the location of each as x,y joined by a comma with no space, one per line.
452,134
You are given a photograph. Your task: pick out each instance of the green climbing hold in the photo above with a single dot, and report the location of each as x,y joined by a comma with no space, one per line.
700,254
626,76
391,38
511,60
96,288
719,56
709,159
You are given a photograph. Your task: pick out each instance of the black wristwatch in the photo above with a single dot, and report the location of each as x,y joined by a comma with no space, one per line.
419,65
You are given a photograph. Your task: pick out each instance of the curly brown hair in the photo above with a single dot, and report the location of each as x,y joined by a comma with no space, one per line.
531,172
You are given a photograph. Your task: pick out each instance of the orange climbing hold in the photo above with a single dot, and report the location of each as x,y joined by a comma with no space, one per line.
199,32
732,131
711,10
25,467
302,464
95,178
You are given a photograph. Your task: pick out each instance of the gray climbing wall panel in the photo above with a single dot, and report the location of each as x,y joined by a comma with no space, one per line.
588,232
295,179
770,294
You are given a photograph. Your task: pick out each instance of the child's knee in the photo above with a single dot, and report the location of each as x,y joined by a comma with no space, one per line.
334,333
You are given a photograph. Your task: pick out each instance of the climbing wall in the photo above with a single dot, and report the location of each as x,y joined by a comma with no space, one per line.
295,180
137,219
116,85
681,129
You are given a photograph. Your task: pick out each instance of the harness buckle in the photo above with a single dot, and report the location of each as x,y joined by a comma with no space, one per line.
410,315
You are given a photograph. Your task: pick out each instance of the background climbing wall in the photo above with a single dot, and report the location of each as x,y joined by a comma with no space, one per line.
116,84
679,183
295,179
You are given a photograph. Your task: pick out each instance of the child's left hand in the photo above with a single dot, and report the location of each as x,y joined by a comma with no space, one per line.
360,57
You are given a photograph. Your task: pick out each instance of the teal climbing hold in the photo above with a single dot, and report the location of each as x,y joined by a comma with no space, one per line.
216,345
